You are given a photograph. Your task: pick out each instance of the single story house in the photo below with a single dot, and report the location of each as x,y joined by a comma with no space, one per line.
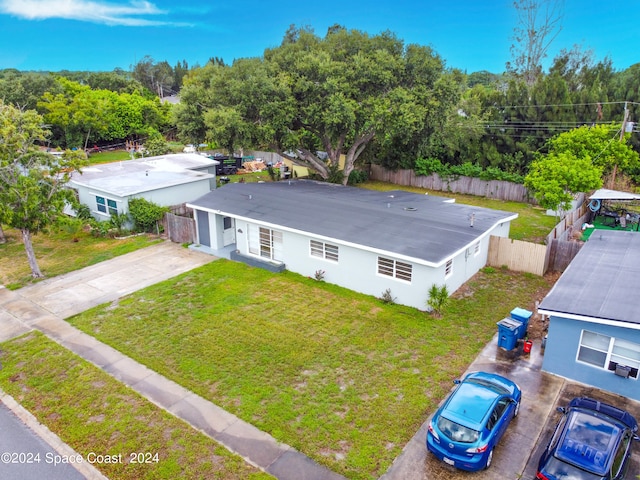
594,321
364,240
165,180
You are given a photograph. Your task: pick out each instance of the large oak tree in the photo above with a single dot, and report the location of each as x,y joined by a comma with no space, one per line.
334,94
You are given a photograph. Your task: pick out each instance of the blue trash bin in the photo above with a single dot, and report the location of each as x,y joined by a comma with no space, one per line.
523,316
508,331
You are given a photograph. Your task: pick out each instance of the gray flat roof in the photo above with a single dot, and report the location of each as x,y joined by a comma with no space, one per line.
601,282
423,227
130,177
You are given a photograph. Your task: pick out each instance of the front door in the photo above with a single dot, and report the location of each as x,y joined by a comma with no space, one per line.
229,233
204,236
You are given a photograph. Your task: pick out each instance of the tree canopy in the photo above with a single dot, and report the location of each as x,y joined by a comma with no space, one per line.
32,182
556,178
578,161
333,94
79,115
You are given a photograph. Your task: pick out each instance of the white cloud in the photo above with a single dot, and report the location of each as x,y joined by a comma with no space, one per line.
133,13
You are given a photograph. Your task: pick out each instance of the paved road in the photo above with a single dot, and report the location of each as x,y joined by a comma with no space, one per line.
24,455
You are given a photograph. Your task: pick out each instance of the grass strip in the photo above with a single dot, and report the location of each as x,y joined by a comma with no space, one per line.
93,412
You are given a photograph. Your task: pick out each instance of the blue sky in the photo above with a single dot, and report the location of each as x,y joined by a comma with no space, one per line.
472,35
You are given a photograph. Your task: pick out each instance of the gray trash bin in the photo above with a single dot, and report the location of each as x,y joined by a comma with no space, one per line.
508,331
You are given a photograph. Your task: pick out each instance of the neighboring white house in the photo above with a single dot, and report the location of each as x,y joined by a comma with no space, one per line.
165,180
365,240
594,326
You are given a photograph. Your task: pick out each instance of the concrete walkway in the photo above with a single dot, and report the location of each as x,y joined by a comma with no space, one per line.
44,306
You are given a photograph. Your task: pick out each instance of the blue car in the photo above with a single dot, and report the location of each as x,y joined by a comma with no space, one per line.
467,427
592,441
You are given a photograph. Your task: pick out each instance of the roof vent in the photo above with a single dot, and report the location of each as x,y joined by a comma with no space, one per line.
410,209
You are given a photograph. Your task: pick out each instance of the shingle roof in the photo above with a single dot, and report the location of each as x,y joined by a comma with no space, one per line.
423,227
602,280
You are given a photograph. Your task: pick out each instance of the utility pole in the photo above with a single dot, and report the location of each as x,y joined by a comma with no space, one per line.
625,118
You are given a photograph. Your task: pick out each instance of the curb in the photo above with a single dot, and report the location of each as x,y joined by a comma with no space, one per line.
61,448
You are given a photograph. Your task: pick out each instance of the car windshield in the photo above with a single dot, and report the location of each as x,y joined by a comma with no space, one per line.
457,432
588,442
558,469
490,385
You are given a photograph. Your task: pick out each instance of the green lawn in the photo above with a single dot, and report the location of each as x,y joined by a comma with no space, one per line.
109,156
93,412
338,375
59,252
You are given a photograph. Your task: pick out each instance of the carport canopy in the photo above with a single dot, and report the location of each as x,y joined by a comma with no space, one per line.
606,194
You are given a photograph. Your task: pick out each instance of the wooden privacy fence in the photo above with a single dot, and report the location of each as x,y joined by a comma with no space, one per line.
179,229
517,255
498,189
571,222
560,253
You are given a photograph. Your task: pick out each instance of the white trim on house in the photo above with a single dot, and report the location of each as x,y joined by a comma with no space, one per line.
583,318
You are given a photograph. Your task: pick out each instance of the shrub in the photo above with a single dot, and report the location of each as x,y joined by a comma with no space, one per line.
429,166
100,229
118,222
438,298
145,214
156,144
319,275
357,176
386,297
83,211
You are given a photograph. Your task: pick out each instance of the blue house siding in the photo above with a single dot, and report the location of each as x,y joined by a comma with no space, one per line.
561,355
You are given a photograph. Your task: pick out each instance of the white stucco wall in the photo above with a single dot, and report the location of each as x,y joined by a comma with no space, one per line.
172,195
357,268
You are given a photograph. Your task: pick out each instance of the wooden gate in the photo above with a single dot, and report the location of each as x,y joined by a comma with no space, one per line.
180,229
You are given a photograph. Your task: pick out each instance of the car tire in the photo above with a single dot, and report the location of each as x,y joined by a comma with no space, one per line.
489,459
517,410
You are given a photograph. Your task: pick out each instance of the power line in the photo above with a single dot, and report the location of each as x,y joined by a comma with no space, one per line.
567,104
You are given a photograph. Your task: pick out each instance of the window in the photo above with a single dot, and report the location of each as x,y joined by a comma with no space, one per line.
394,268
323,250
265,242
620,455
448,268
457,432
497,413
476,248
607,352
107,206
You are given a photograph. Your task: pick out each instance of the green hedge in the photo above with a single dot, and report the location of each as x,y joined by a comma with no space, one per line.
429,166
